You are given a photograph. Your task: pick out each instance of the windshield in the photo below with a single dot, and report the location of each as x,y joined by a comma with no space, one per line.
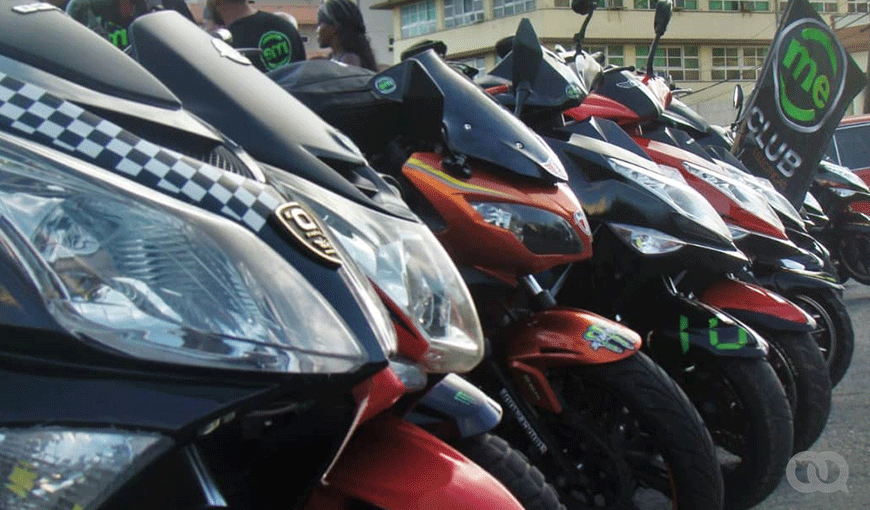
477,126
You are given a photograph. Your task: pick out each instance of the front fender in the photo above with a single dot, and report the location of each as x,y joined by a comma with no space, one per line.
456,399
696,325
563,337
757,306
852,223
394,465
787,281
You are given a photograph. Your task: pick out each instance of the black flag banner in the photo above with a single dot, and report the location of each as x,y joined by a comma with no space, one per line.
805,85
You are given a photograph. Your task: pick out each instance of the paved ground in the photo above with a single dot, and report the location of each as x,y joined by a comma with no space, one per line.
848,429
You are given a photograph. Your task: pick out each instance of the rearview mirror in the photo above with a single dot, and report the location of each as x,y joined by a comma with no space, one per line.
664,10
527,54
738,97
583,7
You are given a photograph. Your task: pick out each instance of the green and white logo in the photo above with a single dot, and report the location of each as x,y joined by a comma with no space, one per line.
810,74
385,85
572,91
277,49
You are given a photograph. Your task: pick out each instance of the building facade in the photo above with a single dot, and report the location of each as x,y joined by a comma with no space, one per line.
710,45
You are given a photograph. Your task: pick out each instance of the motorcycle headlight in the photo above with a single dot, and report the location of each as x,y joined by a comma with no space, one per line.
540,231
675,192
45,469
406,262
738,233
152,277
738,192
646,240
843,192
765,188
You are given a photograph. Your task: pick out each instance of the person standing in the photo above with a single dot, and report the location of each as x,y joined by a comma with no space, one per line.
110,18
341,28
277,39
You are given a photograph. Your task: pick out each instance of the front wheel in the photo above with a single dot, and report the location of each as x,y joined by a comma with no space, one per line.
802,371
631,439
748,415
512,469
834,333
854,254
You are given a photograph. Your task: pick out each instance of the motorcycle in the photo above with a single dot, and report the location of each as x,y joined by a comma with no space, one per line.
757,230
183,310
669,227
845,200
582,409
804,277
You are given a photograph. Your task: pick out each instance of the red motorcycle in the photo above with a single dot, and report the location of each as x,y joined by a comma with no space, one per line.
636,102
603,422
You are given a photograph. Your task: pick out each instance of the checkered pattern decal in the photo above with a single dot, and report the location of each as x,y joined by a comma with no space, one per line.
45,118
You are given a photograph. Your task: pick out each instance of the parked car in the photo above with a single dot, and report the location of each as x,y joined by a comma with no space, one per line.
850,145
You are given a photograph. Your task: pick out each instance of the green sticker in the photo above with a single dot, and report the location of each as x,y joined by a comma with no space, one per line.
385,85
572,91
599,337
463,397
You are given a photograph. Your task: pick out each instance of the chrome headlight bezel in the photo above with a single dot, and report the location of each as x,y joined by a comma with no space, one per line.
405,260
646,241
101,249
71,468
541,231
676,193
765,188
737,191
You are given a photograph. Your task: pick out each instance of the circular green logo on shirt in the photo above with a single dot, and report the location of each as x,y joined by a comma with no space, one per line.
276,48
385,85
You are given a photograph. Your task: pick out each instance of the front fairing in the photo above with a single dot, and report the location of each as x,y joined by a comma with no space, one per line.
630,90
556,86
839,176
216,84
476,126
608,196
680,113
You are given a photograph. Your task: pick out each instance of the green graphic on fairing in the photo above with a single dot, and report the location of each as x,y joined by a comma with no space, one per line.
599,337
712,336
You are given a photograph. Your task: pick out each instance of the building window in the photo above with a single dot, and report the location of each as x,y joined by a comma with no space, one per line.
613,55
462,12
419,18
821,7
681,62
739,5
859,6
502,8
478,63
733,63
679,5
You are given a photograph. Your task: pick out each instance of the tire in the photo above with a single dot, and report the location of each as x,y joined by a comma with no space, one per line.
629,438
798,362
854,254
748,416
512,469
835,335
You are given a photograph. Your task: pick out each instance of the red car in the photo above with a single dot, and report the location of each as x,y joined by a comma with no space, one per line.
850,146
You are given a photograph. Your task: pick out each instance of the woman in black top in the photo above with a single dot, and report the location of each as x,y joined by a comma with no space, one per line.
340,26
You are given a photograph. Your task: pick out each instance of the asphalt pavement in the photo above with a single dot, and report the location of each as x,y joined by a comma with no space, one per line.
844,447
